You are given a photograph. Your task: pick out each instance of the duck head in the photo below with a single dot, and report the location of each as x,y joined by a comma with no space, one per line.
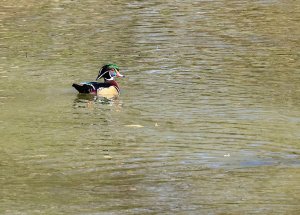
109,72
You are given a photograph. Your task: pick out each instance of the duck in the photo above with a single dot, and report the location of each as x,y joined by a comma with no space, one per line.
108,89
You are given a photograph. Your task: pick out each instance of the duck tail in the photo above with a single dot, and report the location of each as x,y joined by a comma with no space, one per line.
83,88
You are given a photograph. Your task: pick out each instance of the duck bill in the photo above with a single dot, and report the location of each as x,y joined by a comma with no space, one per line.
120,75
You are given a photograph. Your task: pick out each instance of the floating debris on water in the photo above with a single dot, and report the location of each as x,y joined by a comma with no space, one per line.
107,157
135,126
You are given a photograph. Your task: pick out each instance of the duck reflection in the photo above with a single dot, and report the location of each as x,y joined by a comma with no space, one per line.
92,102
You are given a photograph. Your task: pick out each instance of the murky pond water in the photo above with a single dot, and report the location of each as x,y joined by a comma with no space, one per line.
207,122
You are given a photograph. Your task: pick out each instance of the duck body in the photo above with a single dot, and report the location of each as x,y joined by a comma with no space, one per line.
109,88
93,87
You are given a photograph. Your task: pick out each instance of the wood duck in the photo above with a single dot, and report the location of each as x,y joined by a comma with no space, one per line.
109,88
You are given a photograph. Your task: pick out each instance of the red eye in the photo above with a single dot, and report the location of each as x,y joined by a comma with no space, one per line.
113,73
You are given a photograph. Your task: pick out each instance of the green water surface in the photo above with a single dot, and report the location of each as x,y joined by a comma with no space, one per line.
208,120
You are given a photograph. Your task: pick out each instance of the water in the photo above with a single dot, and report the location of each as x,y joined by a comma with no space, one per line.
207,121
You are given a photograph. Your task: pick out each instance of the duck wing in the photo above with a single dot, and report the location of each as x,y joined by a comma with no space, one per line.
90,87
